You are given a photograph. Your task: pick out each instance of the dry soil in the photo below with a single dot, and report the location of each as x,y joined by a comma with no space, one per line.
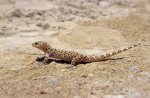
86,26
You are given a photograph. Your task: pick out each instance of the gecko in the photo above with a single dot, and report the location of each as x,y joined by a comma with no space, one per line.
71,56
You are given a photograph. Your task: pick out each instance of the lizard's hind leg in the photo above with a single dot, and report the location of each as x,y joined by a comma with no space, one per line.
74,60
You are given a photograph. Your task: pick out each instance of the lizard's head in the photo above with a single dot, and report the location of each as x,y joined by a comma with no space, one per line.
41,45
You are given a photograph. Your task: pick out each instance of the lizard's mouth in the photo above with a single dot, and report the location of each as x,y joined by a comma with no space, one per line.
33,45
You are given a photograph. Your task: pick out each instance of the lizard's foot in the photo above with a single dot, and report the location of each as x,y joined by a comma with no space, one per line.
69,66
41,64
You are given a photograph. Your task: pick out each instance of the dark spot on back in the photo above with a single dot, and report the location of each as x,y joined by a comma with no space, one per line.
113,53
102,56
129,47
124,49
107,55
119,51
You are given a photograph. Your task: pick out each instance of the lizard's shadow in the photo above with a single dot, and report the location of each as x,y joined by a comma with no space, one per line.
67,62
40,59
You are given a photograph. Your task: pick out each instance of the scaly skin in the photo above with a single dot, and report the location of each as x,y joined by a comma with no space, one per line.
70,55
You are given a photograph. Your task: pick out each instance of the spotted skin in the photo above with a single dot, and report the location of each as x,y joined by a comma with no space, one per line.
74,57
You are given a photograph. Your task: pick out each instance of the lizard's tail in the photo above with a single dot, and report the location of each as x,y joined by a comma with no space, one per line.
103,57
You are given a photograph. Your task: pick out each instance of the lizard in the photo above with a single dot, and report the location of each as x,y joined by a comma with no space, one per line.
71,56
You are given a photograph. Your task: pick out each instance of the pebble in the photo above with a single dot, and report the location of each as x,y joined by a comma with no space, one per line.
62,70
46,26
114,68
132,67
84,75
44,77
145,74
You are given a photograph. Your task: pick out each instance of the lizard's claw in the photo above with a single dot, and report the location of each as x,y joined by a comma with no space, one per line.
41,63
69,66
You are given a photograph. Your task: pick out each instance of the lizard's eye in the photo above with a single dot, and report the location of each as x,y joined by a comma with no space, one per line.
36,43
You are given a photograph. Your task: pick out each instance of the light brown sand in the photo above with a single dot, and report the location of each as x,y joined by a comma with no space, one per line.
87,26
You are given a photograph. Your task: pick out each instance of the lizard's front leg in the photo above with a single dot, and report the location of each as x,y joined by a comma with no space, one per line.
45,59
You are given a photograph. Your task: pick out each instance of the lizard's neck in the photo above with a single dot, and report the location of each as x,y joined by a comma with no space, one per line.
44,49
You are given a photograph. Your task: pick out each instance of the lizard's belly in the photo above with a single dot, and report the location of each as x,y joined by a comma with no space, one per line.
62,57
66,59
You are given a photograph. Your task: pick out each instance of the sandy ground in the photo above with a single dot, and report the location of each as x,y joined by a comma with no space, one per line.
86,26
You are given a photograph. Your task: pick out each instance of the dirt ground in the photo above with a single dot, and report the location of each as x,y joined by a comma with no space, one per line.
86,26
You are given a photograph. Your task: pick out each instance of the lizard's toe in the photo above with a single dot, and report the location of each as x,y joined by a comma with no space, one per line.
70,66
41,64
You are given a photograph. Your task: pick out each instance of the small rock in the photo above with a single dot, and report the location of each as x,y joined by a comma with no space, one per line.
84,75
1,33
46,26
44,77
43,92
114,68
62,70
30,14
40,13
39,24
54,27
17,13
145,74
132,67
9,18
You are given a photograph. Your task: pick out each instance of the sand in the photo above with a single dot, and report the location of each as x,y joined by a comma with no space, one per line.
85,26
